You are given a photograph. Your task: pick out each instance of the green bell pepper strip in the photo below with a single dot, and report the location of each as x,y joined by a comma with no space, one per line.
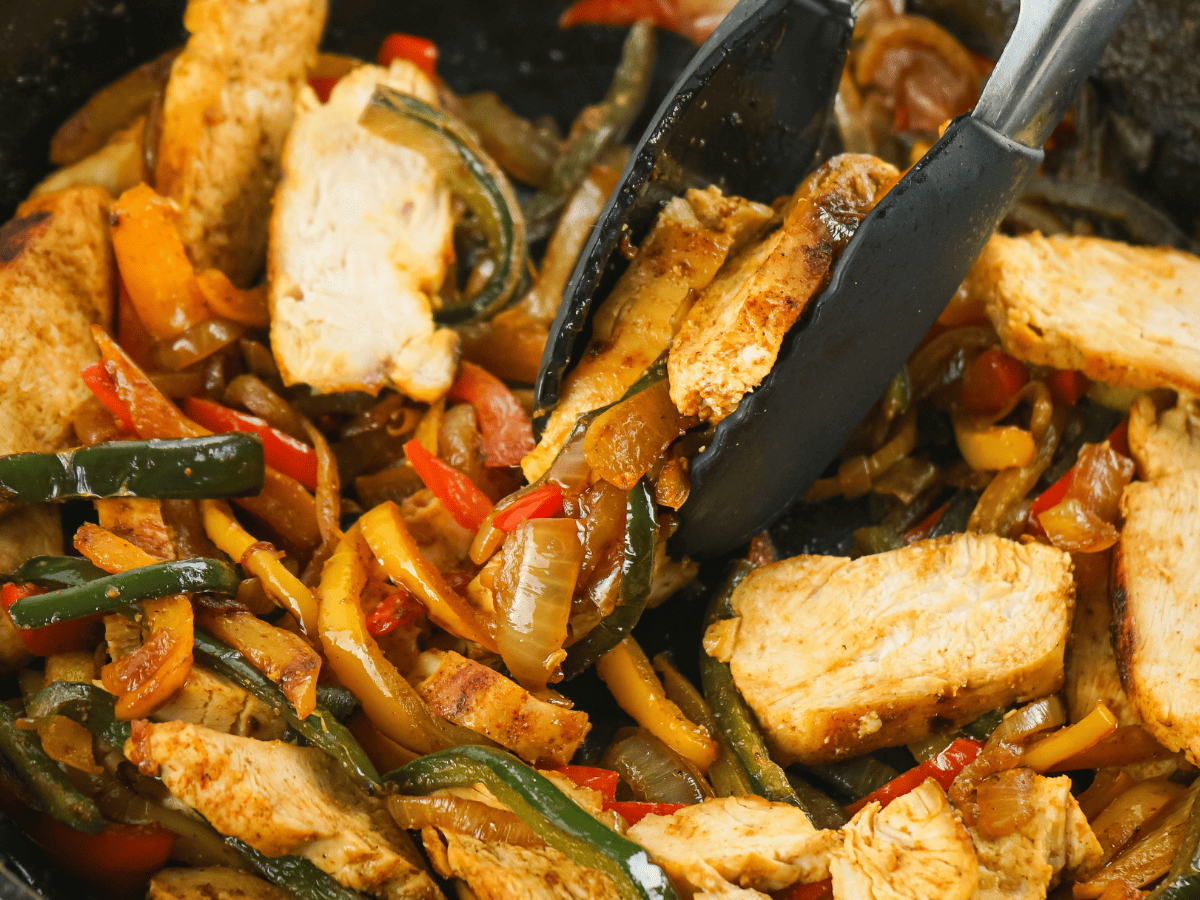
219,465
321,728
735,722
637,571
58,795
123,590
53,572
90,706
553,816
337,699
473,177
295,875
597,129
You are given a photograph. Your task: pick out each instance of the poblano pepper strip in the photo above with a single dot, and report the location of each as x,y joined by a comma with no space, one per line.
123,590
321,728
294,874
735,721
219,465
473,177
92,707
553,816
637,571
58,795
53,572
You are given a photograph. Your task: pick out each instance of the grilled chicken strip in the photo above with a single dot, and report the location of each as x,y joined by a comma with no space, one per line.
211,883
731,337
837,656
691,238
745,841
1128,316
283,799
1026,863
360,241
1091,662
1164,441
226,113
57,279
1156,608
915,848
471,694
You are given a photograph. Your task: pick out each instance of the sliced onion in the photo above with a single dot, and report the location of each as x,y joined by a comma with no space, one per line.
655,774
1040,715
252,393
533,598
199,342
462,815
1132,812
1005,802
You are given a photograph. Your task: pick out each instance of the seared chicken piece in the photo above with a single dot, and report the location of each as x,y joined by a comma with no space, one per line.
1157,610
211,883
1025,864
731,337
360,240
509,872
1091,663
746,841
690,240
283,799
1128,316
57,279
915,848
471,694
226,112
442,540
837,656
1164,441
214,702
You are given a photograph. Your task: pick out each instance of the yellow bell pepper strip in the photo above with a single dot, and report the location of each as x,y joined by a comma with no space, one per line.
224,299
405,564
320,728
630,677
156,670
283,657
259,560
389,701
1092,728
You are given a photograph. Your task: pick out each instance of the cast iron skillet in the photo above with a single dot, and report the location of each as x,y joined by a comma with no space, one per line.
56,53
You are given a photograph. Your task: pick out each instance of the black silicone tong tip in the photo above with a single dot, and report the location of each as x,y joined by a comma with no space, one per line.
747,114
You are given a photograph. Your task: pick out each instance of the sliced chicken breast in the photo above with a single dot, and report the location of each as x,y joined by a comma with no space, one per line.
361,238
691,238
226,112
57,279
1164,441
915,848
837,656
211,883
471,694
1157,609
1127,316
737,841
731,337
1026,863
508,872
214,702
1091,662
283,799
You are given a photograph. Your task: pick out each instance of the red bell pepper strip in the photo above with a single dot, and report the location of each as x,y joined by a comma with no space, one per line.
602,780
282,451
991,381
814,891
1053,495
397,610
633,811
419,51
322,86
505,428
695,25
539,503
1067,385
943,769
921,531
131,333
59,637
467,504
100,383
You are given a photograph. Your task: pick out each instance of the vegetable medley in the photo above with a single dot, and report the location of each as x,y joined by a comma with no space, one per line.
295,594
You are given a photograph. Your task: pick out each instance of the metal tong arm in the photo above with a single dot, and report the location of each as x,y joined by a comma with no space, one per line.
1053,48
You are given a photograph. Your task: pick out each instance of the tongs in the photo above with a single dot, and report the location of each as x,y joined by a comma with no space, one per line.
747,115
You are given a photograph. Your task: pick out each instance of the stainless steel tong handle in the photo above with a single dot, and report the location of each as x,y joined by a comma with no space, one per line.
1054,47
